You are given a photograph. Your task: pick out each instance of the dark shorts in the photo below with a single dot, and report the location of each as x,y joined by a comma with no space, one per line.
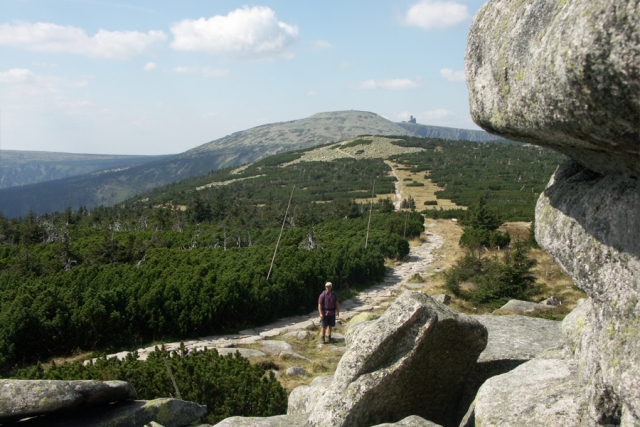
328,321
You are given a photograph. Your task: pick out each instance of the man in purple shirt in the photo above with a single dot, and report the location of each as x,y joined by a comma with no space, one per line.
329,309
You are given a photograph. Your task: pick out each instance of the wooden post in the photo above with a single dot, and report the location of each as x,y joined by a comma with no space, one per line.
366,242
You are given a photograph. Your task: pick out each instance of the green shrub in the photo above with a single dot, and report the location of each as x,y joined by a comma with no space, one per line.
228,385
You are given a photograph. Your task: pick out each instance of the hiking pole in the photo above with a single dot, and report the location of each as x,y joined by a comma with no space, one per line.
370,210
278,242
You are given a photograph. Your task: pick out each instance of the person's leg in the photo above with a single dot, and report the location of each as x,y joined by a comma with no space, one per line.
329,330
323,329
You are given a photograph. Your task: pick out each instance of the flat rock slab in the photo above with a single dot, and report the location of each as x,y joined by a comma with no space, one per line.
24,398
524,306
244,352
276,347
277,421
539,393
513,340
411,421
518,337
137,413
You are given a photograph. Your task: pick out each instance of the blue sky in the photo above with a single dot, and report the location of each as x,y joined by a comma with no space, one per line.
160,77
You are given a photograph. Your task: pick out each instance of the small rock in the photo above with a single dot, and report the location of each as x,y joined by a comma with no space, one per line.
363,308
362,317
299,335
551,301
442,298
296,371
524,306
411,421
276,347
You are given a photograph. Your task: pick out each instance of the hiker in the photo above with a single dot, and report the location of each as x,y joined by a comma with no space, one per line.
329,308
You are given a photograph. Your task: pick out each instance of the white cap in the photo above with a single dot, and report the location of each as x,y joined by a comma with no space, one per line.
328,284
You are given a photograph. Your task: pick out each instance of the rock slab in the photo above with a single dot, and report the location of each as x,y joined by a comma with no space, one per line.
560,74
26,398
513,340
277,421
413,360
137,413
539,393
411,421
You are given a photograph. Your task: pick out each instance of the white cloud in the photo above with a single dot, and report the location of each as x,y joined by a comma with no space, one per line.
150,66
312,93
452,76
15,75
436,14
247,33
211,114
389,84
205,71
52,38
321,45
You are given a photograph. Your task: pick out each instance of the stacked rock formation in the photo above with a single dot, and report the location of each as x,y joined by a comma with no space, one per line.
566,75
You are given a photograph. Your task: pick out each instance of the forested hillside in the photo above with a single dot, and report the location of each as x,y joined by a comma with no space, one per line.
192,258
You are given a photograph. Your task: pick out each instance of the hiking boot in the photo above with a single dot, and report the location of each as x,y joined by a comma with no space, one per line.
331,339
323,340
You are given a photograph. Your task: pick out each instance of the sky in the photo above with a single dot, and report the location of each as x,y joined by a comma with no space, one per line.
162,77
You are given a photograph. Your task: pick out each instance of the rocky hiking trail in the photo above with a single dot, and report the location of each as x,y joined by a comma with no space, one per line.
421,259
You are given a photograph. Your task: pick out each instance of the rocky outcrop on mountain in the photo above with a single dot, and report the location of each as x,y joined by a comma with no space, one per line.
23,398
276,421
413,360
565,75
412,421
89,404
560,74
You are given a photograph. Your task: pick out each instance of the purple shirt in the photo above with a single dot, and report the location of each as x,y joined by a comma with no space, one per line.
328,303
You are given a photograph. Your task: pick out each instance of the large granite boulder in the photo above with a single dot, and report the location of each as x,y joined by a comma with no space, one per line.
137,413
513,340
539,393
589,223
413,360
26,398
560,74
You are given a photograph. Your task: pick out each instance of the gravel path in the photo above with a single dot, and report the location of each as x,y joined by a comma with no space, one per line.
374,297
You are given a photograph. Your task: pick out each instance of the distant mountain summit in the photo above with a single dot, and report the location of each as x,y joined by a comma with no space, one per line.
426,131
108,188
262,141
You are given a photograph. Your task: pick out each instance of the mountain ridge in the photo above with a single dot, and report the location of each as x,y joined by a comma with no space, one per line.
233,150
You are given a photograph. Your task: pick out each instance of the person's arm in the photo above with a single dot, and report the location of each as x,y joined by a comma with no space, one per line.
320,310
337,308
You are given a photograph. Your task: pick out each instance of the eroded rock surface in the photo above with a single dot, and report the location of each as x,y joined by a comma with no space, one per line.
589,223
412,421
560,74
304,398
413,360
277,421
24,398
